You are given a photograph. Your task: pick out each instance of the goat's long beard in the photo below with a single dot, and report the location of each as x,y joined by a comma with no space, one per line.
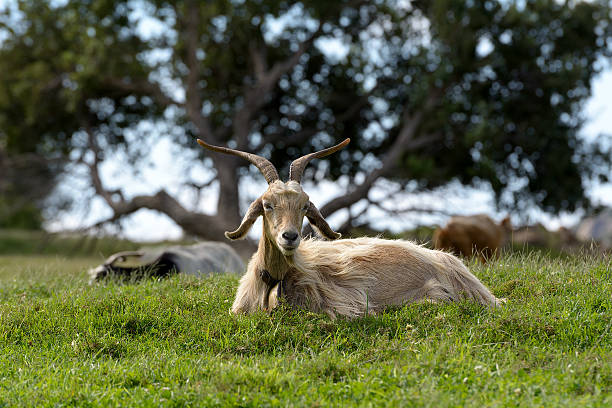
273,259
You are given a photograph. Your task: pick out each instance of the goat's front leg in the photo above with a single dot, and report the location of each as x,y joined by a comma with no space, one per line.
250,295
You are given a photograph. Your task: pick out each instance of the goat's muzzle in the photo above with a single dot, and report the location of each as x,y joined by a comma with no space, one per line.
288,241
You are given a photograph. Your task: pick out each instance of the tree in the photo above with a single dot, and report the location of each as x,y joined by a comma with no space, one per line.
429,92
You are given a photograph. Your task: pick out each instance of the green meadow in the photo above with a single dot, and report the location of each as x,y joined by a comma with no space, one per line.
172,342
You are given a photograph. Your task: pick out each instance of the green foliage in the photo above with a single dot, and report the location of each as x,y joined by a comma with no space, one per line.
515,77
497,87
54,63
24,217
172,342
50,89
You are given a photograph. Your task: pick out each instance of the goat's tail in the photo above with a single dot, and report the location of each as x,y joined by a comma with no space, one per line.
464,285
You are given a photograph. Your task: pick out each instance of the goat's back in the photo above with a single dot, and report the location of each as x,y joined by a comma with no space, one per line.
204,258
373,273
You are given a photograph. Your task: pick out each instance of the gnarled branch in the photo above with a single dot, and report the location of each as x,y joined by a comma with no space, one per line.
265,81
406,141
193,223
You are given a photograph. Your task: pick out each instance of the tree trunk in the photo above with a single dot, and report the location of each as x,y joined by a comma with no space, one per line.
228,204
209,227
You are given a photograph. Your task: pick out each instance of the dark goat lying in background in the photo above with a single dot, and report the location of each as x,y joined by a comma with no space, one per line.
199,259
472,235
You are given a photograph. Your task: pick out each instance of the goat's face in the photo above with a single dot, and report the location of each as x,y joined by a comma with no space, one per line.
284,208
283,205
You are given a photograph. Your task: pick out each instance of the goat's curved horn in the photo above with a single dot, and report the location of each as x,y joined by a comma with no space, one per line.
265,167
298,165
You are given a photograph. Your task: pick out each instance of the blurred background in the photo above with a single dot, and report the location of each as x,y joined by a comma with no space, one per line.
452,107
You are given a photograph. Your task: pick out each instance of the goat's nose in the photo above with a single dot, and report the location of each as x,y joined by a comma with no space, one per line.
290,235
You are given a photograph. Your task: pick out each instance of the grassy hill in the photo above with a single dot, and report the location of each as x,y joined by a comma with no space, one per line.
21,242
173,343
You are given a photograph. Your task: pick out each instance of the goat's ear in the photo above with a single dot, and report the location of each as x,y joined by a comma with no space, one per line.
506,223
254,211
317,221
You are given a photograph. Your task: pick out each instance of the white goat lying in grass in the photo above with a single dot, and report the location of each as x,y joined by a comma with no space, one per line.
349,277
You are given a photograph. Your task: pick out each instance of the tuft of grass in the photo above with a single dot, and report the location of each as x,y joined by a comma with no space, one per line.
172,342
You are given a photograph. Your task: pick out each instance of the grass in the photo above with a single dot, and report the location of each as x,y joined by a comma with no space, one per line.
21,242
173,343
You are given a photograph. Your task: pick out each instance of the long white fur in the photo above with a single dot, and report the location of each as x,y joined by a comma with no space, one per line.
352,277
348,277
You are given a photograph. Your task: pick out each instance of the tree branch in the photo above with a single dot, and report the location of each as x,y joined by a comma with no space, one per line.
199,187
404,142
346,226
258,58
193,102
380,204
94,171
194,223
265,81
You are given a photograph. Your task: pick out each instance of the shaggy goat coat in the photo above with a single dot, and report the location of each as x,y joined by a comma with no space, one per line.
352,277
349,277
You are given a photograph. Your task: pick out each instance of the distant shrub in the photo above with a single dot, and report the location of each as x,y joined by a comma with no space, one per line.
21,216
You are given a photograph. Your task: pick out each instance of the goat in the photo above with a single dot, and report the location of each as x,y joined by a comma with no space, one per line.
472,235
198,259
348,277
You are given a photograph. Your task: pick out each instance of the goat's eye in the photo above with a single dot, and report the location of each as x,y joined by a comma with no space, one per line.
268,207
305,208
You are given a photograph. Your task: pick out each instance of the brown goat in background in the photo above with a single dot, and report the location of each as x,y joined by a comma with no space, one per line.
349,277
472,235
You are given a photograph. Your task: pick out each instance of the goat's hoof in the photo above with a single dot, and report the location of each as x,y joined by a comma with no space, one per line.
501,301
